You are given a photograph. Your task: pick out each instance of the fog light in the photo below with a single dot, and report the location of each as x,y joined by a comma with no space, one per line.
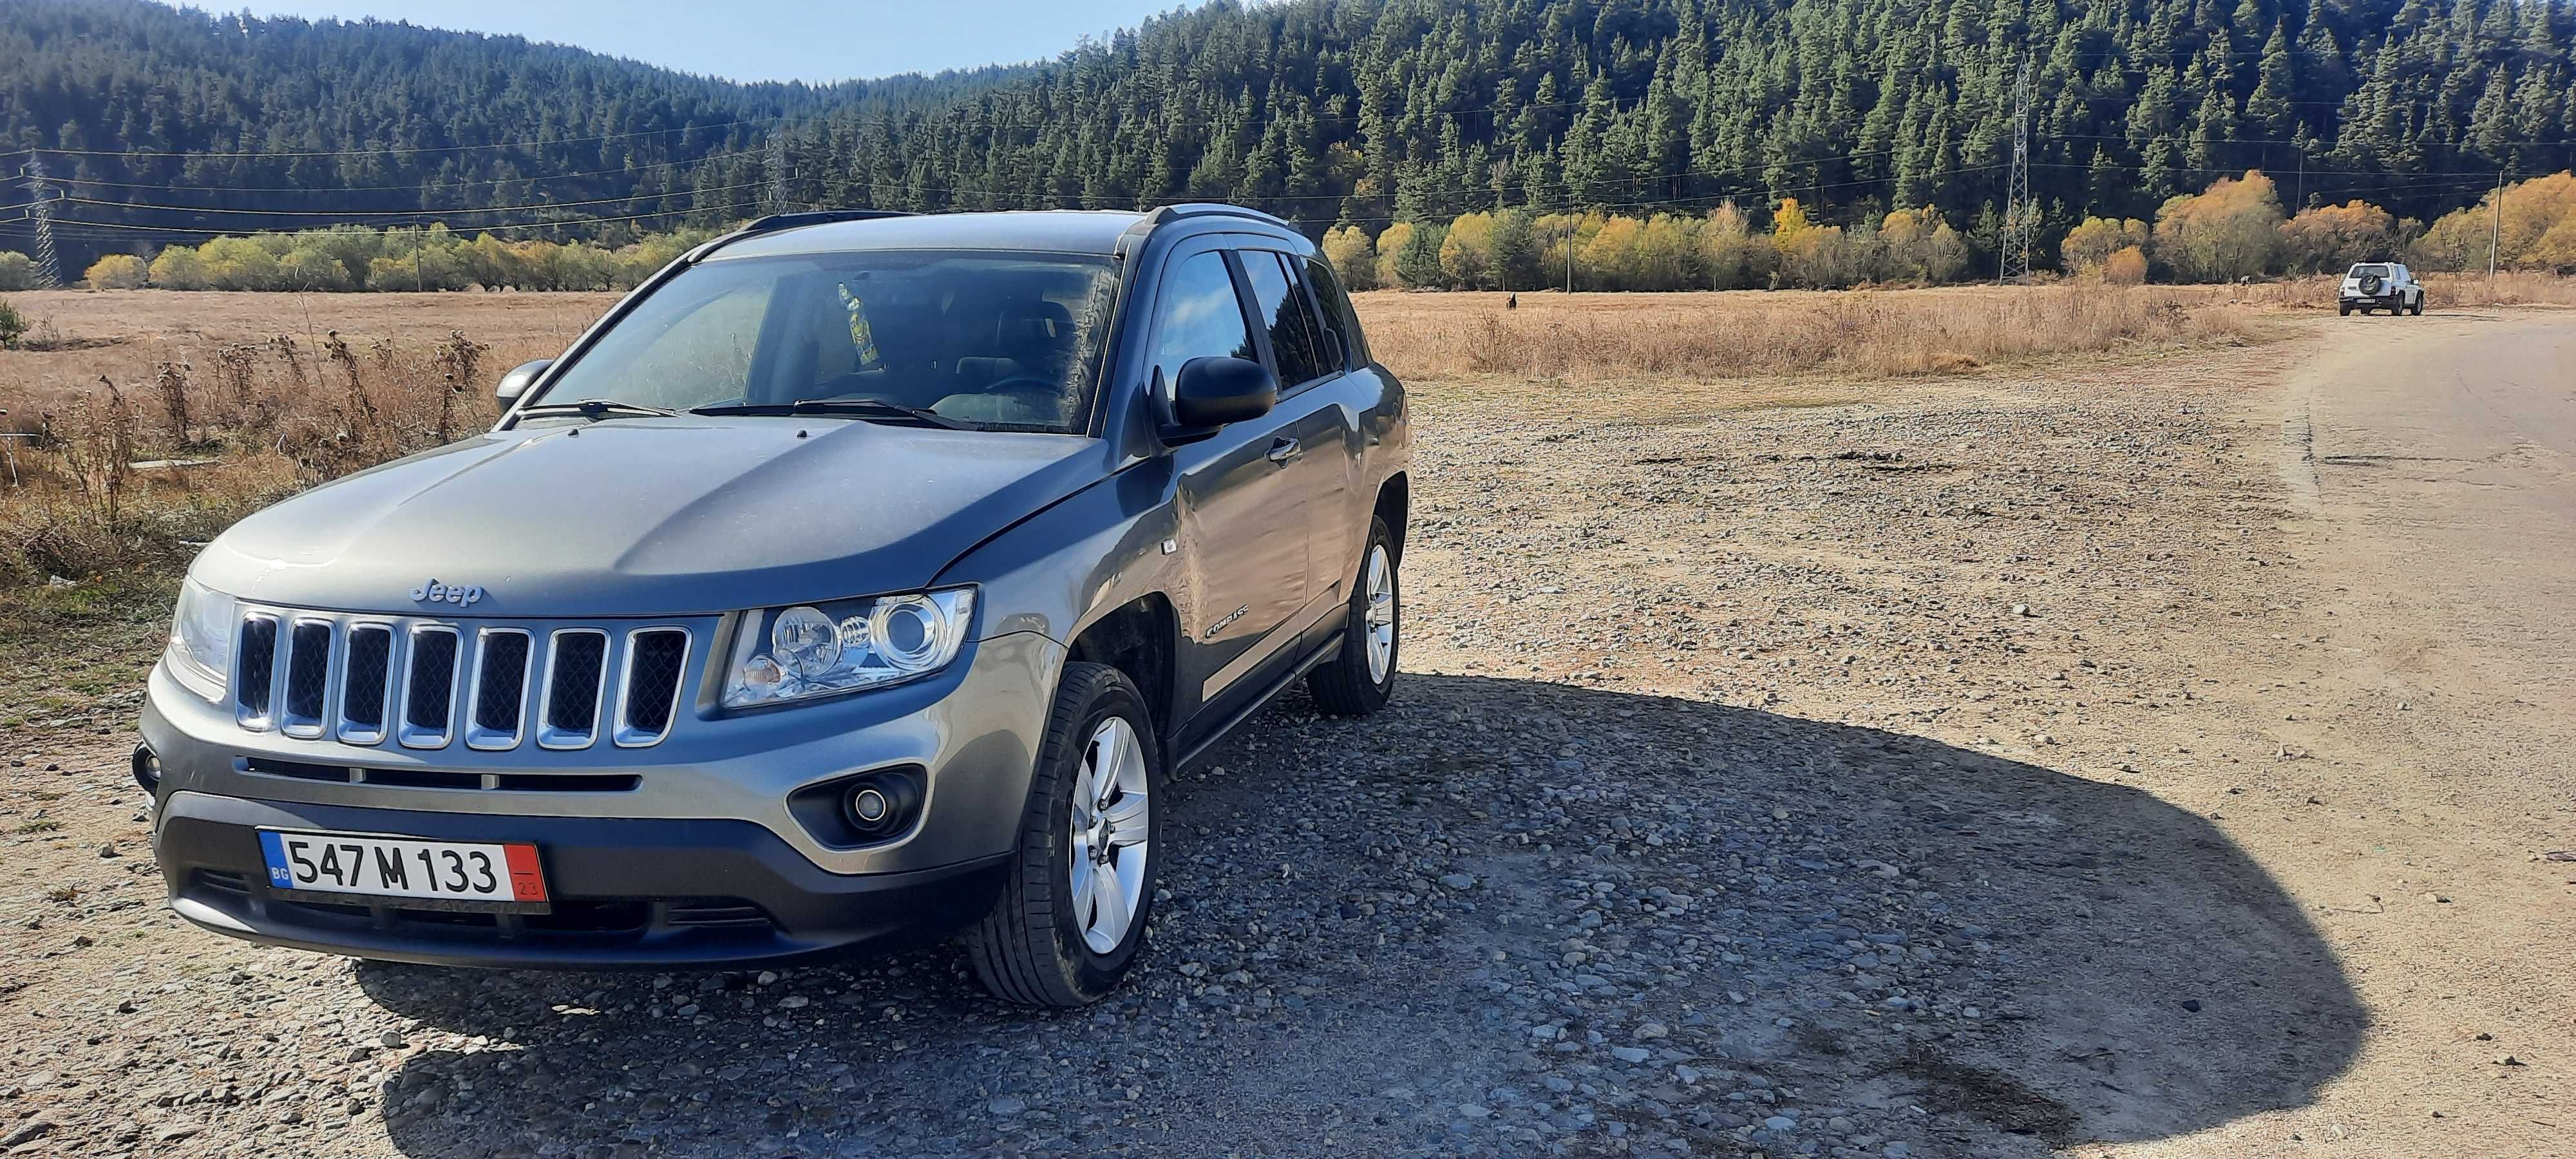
147,768
880,805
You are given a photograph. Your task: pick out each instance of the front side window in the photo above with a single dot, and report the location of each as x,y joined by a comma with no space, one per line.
985,339
1198,316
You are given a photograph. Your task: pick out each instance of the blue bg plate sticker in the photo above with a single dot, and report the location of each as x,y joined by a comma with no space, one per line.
273,851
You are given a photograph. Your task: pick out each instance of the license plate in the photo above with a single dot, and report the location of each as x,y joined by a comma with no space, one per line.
446,871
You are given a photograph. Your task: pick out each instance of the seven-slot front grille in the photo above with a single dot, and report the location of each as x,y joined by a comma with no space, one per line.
431,684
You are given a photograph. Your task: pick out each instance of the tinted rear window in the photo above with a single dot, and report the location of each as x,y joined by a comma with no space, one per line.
2370,271
1285,313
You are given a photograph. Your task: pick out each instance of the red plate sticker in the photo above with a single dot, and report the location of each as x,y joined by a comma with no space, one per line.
526,883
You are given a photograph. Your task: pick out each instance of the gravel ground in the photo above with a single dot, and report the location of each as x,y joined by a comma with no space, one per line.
1776,772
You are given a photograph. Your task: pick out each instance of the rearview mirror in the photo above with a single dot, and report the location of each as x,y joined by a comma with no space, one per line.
1212,392
516,382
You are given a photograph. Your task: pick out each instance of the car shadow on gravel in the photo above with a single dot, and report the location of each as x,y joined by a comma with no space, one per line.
1502,917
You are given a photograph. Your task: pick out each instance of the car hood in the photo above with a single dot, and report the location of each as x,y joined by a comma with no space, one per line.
649,517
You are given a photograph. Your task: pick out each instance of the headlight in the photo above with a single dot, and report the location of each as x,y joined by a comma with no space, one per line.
201,640
782,654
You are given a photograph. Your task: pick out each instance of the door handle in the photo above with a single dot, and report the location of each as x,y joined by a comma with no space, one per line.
1284,449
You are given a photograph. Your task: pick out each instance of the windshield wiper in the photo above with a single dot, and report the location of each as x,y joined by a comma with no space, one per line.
855,407
593,409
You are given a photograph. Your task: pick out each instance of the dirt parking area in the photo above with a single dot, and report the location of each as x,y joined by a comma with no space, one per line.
1991,765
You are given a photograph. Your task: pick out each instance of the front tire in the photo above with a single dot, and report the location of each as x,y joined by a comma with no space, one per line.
1073,911
2418,308
1360,678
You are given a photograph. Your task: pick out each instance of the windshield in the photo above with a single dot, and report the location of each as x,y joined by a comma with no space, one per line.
987,339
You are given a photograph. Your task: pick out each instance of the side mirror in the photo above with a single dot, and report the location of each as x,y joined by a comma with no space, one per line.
516,382
1212,392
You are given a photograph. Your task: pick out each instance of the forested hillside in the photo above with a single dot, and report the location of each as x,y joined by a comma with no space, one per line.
1324,111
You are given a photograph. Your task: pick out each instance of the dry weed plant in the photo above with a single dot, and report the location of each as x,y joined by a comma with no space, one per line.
266,425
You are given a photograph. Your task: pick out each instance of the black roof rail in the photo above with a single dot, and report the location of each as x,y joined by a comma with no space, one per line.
777,221
772,223
1175,212
1166,214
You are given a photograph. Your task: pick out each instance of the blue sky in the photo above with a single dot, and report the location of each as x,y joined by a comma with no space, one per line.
765,39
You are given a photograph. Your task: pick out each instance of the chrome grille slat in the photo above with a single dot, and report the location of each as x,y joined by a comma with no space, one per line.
366,683
497,707
576,683
427,683
648,685
255,672
309,662
429,686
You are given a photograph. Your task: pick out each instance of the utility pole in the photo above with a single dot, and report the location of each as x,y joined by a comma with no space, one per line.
2495,228
2012,262
41,205
777,172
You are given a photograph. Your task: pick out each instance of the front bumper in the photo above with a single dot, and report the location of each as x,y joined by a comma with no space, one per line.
640,845
626,892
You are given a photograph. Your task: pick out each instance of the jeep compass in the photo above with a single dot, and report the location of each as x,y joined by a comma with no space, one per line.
857,580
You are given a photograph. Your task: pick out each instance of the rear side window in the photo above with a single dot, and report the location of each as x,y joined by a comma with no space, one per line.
1337,318
1199,316
1285,313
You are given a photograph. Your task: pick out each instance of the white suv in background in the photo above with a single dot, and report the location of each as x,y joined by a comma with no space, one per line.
2380,286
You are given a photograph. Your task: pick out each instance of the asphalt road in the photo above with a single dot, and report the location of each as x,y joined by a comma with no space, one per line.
2432,463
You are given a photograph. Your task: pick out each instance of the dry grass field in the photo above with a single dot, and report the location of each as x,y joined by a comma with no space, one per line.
154,419
149,420
1831,734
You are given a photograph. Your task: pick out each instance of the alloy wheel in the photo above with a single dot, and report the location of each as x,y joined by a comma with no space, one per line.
1111,824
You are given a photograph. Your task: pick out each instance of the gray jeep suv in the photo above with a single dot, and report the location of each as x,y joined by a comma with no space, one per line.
856,580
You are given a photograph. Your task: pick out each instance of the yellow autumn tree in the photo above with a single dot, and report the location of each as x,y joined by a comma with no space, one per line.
1390,244
2332,237
1467,253
2095,239
2230,230
1353,256
116,272
2519,231
1732,256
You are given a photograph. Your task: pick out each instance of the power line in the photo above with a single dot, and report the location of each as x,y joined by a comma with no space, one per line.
572,223
344,213
538,179
407,150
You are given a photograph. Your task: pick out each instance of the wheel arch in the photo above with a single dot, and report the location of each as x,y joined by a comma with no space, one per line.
1142,639
1395,506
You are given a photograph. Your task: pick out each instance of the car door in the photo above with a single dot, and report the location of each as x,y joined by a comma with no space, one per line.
1241,512
1320,430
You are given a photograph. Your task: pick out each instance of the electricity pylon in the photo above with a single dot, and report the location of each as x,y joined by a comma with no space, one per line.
40,197
2021,216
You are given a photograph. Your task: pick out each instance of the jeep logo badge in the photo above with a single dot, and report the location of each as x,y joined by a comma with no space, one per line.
462,595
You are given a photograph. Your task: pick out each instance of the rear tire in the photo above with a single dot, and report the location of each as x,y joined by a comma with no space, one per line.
1052,938
1360,678
2343,309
